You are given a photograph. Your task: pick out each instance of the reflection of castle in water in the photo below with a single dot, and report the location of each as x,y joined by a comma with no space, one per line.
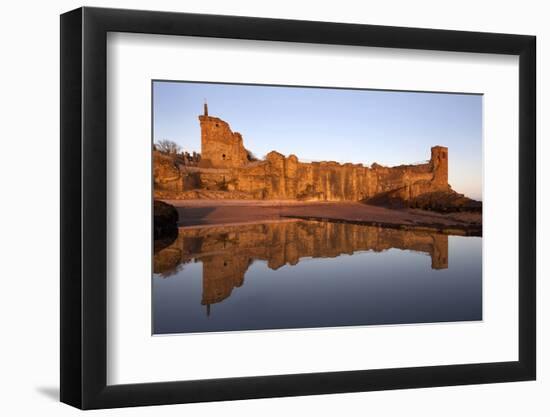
226,252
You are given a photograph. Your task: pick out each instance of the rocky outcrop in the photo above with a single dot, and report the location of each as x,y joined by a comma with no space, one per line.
166,174
448,201
165,224
444,201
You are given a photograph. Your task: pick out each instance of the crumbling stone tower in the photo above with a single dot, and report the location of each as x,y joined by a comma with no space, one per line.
220,147
440,167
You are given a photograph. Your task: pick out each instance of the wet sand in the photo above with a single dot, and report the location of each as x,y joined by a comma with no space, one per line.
218,212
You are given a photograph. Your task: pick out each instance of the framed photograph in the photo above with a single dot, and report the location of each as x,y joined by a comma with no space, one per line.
258,208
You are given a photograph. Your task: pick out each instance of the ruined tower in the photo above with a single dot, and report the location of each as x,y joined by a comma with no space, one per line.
440,166
220,147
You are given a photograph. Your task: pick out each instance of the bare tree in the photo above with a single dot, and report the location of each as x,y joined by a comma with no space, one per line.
167,146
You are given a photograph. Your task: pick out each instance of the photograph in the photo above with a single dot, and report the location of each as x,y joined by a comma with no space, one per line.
282,208
295,207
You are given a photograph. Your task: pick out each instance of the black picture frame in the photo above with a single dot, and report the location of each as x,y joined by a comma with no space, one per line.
84,207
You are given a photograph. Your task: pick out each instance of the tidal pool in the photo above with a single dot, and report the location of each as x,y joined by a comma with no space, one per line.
306,274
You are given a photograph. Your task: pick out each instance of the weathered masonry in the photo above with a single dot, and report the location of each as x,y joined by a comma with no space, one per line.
227,170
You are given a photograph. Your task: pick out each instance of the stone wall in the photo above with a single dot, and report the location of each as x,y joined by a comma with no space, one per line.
280,177
166,175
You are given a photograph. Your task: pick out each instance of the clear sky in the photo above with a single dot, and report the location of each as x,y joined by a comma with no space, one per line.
316,124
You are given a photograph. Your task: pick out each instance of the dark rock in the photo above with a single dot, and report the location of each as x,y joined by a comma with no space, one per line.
447,201
165,224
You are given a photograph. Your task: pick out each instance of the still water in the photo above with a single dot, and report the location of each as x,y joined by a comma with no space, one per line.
303,274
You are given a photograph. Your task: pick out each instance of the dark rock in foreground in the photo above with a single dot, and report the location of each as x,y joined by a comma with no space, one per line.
165,224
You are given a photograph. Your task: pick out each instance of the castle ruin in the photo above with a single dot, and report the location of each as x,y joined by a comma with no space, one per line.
226,171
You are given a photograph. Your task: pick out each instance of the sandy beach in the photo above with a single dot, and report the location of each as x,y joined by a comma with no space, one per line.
218,212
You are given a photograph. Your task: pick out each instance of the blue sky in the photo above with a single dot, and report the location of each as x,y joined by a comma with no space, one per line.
359,126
